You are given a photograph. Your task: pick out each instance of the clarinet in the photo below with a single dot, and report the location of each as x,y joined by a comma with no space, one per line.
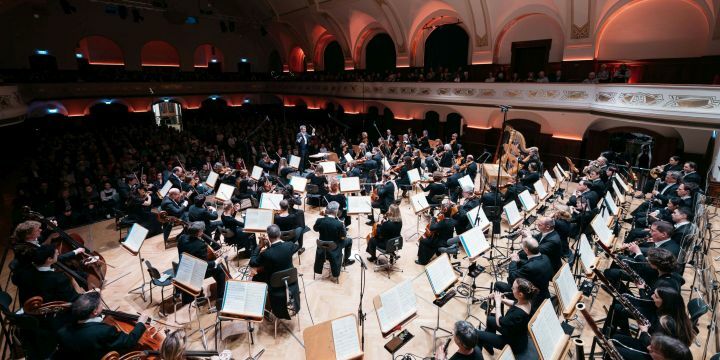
607,346
625,267
641,319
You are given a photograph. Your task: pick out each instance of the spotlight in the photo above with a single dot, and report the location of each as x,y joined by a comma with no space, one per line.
41,52
243,60
52,111
214,97
107,102
78,55
213,61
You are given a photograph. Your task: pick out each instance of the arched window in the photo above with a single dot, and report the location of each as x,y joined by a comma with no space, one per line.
380,54
447,46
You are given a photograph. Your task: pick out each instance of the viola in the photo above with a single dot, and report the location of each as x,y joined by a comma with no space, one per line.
212,245
429,233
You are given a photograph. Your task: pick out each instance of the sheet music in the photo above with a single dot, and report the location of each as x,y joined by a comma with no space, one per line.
528,202
298,183
212,179
558,175
610,202
482,220
345,338
540,189
386,164
562,171
398,304
135,237
474,242
566,288
348,157
328,167
601,230
587,256
224,192
270,201
440,274
546,330
359,205
512,213
258,219
166,187
257,173
466,183
413,175
622,182
191,271
244,298
549,179
419,202
618,194
294,162
350,184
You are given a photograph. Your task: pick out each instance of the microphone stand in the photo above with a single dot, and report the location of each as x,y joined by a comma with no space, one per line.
361,313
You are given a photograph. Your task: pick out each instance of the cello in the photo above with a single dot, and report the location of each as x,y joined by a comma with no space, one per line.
93,264
151,339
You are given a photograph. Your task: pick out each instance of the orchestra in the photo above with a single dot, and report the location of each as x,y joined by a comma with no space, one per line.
644,268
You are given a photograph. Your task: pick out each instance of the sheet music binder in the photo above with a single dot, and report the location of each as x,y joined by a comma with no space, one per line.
298,183
359,205
135,238
440,274
482,219
395,307
474,242
257,173
224,192
546,332
245,295
257,220
566,289
350,184
190,274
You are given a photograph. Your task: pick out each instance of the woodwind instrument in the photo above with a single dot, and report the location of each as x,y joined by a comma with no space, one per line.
621,264
604,343
625,302
624,247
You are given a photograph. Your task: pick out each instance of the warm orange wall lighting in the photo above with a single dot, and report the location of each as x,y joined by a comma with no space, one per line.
163,65
404,118
479,127
106,63
567,137
352,112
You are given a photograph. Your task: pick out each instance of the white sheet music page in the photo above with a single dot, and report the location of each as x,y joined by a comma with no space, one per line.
419,202
386,164
547,331
270,201
350,184
257,173
258,219
166,187
348,157
244,298
225,192
212,179
610,202
298,183
345,338
191,271
398,304
564,173
440,274
587,256
540,189
566,287
328,167
479,213
359,205
549,179
618,194
506,354
622,182
466,183
294,161
527,200
512,213
413,175
135,237
474,242
601,230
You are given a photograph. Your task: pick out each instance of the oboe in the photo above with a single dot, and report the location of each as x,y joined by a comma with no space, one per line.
609,348
634,312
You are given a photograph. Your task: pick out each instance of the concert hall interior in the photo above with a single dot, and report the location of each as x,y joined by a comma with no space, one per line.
360,179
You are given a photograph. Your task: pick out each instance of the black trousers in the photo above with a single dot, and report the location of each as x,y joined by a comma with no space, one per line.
427,248
489,339
375,243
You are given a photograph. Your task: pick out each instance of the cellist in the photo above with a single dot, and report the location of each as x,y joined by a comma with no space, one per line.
440,229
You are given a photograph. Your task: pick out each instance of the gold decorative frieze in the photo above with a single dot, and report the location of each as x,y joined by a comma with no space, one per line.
574,95
640,98
392,90
580,32
487,92
693,102
407,90
543,93
443,91
605,97
513,93
464,92
424,91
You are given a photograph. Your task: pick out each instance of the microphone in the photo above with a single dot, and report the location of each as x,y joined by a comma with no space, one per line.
362,262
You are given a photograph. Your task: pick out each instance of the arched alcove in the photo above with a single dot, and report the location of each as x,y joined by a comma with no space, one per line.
453,124
275,62
207,54
159,53
447,46
297,63
523,32
333,58
431,123
100,50
380,54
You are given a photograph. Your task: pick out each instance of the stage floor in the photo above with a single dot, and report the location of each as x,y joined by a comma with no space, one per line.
326,300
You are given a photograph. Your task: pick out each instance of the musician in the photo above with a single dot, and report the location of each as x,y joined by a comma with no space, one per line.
267,164
685,192
235,234
529,177
385,197
289,222
683,230
563,228
318,179
472,167
285,170
402,180
193,244
513,326
668,348
453,183
243,184
435,188
140,209
44,281
446,160
537,269
331,229
271,256
388,229
176,177
513,191
424,142
173,347
672,165
466,339
442,228
418,162
689,174
336,196
174,206
469,201
430,164
207,214
665,265
595,182
583,190
549,241
532,157
88,337
389,136
302,139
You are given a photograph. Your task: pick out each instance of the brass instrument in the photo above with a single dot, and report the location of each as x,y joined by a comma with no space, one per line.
656,171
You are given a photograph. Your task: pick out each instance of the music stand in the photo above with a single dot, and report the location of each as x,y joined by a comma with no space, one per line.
222,315
358,205
419,205
133,243
442,269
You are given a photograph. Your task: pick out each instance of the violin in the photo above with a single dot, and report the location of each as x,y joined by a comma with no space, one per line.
213,245
93,263
151,339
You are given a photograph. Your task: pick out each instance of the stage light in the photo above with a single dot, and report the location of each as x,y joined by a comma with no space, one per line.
213,61
52,111
107,102
191,20
41,52
78,55
244,60
166,100
246,101
214,97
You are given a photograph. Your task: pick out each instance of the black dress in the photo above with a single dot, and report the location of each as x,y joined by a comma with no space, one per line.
513,331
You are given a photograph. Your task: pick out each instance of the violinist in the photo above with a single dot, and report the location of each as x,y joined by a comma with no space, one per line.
513,191
176,177
285,170
389,228
175,206
417,160
402,179
236,236
435,188
385,197
273,255
140,209
289,222
267,164
469,201
424,142
192,243
337,196
329,228
88,337
446,156
441,229
198,211
243,185
471,167
453,183
529,177
318,179
532,157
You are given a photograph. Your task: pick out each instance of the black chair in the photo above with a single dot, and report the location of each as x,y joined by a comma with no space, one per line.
21,324
435,202
696,309
390,254
285,279
312,191
289,236
156,279
326,247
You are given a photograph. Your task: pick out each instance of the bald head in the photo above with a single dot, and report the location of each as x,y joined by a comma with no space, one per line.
531,246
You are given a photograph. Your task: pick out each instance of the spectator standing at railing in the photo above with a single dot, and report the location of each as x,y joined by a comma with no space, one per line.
603,75
490,78
541,78
591,79
622,74
557,77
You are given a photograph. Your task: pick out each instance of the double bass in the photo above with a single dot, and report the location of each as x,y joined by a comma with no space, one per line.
93,264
